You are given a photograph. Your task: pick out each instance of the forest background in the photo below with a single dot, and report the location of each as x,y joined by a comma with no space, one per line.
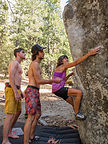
24,23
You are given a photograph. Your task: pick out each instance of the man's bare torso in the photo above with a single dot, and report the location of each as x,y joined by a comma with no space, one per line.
31,74
17,74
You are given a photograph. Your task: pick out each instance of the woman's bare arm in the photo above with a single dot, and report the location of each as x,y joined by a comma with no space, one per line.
78,61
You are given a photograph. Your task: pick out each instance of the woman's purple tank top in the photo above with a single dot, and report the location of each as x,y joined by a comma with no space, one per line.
57,86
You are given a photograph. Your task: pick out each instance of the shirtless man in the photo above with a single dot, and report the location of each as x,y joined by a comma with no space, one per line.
32,100
13,95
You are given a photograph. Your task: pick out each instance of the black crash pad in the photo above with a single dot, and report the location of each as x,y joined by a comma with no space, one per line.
64,135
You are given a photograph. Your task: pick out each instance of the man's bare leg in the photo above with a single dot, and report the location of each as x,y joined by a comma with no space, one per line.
33,127
27,128
13,123
6,128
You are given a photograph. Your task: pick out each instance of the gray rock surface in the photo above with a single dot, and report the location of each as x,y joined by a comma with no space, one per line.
86,24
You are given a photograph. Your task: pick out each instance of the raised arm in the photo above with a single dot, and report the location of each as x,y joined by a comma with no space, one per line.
37,75
78,61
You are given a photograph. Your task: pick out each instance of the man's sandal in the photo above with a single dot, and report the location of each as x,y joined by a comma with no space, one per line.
36,138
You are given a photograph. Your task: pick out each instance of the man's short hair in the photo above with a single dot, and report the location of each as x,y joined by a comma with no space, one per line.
17,50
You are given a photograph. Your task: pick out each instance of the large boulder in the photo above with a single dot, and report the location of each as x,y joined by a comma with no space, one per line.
86,24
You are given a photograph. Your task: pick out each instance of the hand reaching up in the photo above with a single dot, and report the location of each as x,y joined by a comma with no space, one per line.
94,51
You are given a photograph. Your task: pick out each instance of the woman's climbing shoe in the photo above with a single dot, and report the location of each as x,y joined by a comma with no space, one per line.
80,116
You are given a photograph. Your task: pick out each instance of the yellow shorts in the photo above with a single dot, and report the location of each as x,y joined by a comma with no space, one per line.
12,106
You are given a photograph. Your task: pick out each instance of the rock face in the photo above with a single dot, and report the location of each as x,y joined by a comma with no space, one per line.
86,24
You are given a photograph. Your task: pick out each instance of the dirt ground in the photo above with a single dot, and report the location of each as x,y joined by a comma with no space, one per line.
55,111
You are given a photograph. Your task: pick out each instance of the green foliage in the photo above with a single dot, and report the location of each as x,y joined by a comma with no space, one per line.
27,22
5,45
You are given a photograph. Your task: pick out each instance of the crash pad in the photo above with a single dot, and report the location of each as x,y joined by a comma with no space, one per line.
48,134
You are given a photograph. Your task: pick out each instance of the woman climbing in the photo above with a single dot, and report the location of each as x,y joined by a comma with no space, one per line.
65,92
